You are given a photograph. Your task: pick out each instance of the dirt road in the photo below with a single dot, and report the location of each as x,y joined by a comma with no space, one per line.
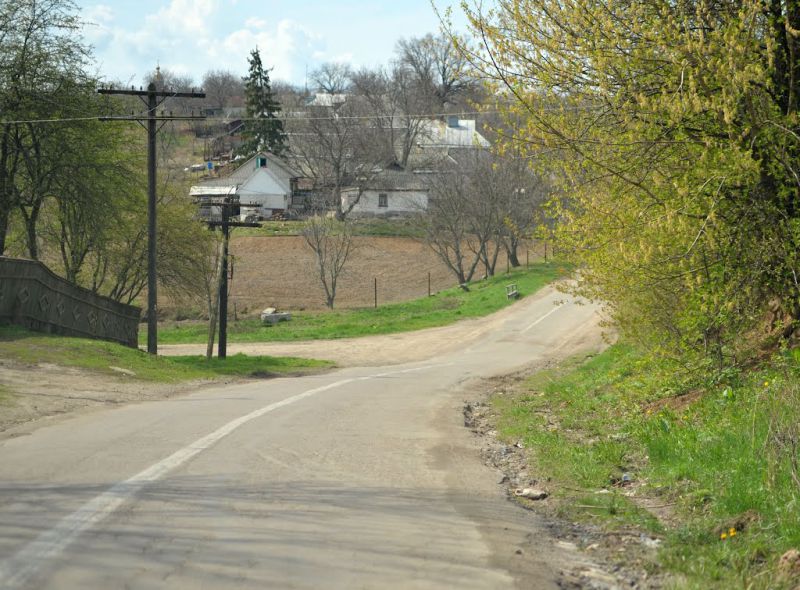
390,349
364,477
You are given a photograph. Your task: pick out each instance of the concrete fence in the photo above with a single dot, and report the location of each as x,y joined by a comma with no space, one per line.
31,295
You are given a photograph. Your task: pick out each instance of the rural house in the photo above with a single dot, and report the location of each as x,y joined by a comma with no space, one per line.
264,180
394,191
391,193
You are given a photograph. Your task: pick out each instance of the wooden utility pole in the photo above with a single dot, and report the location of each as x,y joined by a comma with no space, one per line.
151,98
226,205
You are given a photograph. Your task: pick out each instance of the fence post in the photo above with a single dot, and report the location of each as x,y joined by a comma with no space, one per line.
376,292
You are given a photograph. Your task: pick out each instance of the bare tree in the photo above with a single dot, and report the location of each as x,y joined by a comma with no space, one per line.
439,68
339,150
479,206
289,95
447,226
332,78
220,87
332,243
524,194
397,106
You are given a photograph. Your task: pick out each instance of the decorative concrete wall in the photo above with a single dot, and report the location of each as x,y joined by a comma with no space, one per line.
31,295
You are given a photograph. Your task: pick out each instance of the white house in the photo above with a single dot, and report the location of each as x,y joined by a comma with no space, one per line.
264,180
452,133
391,192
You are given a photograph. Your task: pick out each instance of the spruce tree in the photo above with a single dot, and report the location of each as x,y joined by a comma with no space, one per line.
263,130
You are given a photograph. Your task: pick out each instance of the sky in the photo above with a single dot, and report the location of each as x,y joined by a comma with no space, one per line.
191,37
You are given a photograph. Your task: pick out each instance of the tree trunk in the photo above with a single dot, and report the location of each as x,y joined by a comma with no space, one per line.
4,215
31,220
511,249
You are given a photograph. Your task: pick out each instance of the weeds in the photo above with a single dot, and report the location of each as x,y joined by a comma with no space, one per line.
723,450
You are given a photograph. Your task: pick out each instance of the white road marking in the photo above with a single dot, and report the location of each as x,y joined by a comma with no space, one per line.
17,570
552,311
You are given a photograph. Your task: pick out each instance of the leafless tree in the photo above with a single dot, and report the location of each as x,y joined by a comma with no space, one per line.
525,194
397,106
290,96
439,68
332,78
479,206
447,225
220,87
332,243
339,150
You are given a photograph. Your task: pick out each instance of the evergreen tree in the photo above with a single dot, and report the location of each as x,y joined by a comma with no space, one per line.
263,129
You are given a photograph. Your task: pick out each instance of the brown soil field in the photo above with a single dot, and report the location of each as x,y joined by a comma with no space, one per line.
281,272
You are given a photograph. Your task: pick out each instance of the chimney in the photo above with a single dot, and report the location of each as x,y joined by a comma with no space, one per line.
452,121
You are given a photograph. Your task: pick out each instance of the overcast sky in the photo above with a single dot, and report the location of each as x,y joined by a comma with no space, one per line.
194,36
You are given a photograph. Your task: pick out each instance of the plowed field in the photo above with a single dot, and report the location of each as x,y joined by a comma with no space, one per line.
281,272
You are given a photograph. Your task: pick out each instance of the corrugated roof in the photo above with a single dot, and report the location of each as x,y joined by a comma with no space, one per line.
440,134
394,180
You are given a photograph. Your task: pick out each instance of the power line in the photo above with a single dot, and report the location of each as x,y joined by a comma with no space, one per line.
285,118
290,117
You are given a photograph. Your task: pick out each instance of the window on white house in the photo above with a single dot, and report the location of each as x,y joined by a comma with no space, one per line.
383,200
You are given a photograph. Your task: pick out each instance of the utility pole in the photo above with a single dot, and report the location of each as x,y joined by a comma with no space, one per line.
151,98
227,204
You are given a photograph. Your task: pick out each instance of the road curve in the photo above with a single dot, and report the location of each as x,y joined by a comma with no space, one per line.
361,478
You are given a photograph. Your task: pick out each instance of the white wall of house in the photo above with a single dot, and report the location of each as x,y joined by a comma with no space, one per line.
386,202
267,188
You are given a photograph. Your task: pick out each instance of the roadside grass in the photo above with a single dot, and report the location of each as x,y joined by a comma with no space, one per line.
721,453
445,307
369,227
30,347
270,229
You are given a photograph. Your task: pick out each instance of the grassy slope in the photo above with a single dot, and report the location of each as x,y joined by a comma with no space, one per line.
29,347
718,451
440,309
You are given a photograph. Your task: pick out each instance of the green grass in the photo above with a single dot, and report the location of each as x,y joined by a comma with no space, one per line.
719,451
270,229
440,309
30,347
372,227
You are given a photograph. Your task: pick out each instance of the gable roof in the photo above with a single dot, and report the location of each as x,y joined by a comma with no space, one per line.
248,168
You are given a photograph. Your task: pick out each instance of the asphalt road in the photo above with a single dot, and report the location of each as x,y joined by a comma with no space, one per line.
360,478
